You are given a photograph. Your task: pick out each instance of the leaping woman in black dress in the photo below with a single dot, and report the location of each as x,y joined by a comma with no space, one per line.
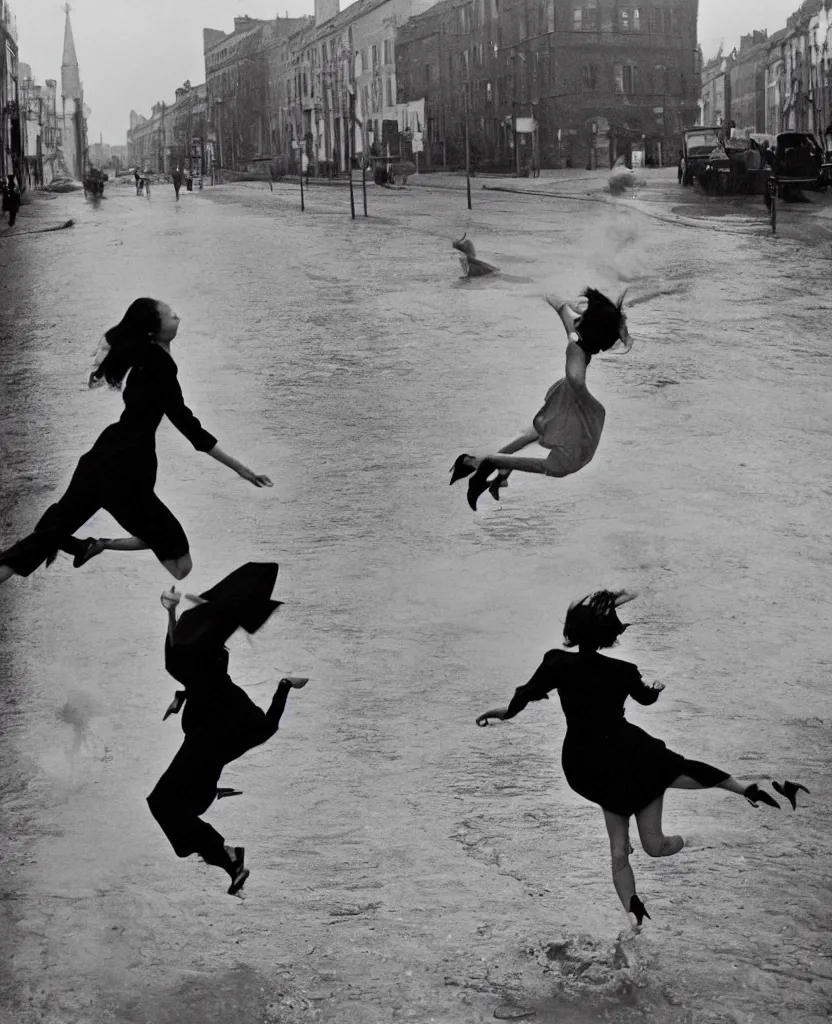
605,758
119,473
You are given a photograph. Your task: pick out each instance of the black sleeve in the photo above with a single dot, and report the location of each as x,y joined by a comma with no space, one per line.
182,417
637,689
541,683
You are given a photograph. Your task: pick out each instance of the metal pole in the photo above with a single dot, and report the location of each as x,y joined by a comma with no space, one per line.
300,151
350,143
467,148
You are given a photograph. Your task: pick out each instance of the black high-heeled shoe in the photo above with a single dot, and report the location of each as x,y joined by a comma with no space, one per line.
495,486
754,793
241,872
90,548
639,909
461,469
789,790
478,484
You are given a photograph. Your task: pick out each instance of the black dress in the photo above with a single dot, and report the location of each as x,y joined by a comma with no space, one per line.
118,474
605,758
220,723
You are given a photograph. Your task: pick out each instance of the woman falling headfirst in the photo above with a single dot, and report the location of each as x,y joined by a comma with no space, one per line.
118,474
220,721
571,420
605,758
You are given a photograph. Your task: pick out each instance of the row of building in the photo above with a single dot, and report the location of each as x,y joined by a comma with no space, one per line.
776,83
551,83
44,135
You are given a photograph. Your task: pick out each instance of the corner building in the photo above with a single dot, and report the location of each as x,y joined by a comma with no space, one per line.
594,79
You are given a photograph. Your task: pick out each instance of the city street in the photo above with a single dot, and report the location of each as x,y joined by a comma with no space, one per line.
406,865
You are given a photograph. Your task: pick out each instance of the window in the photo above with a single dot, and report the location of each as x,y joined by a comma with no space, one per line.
550,16
624,20
636,20
365,64
577,20
388,91
590,16
589,77
388,51
489,94
629,79
662,80
365,101
375,56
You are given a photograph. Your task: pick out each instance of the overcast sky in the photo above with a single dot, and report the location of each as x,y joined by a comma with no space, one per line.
135,52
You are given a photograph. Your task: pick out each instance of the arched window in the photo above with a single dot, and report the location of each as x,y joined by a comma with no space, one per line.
636,20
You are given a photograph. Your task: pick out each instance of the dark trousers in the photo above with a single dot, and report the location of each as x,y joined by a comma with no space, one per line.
137,509
189,786
176,188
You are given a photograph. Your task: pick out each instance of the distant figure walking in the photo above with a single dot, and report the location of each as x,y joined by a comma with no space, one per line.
605,758
119,473
177,182
137,175
571,420
220,721
12,199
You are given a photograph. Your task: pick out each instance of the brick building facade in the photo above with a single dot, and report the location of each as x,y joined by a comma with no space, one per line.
594,78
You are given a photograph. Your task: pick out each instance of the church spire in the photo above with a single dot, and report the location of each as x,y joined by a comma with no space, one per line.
70,75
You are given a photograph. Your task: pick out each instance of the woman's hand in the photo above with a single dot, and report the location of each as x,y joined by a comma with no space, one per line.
557,302
657,687
255,478
496,713
170,598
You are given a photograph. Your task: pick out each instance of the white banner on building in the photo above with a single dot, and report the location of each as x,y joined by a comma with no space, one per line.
526,125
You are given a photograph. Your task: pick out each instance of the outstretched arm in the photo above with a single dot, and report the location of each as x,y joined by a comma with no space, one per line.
540,684
247,474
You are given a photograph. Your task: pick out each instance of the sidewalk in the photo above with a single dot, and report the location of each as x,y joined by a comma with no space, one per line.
39,212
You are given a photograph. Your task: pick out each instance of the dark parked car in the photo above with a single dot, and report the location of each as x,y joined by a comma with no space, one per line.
697,145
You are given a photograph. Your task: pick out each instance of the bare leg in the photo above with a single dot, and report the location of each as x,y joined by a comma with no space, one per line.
731,784
623,879
653,840
530,436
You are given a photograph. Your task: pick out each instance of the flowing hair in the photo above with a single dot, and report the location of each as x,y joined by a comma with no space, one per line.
601,323
593,622
128,341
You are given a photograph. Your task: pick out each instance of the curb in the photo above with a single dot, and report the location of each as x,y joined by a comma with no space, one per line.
11,233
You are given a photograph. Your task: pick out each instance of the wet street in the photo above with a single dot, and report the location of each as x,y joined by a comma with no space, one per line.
406,865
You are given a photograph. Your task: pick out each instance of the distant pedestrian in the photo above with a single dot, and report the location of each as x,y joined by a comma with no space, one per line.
220,721
119,473
189,181
571,420
13,200
137,175
177,182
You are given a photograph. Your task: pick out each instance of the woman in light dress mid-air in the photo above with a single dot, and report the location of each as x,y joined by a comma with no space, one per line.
571,420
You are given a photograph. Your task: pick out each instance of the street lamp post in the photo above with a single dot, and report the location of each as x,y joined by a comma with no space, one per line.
466,86
219,135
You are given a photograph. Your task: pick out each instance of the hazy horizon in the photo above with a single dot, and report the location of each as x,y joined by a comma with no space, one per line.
117,47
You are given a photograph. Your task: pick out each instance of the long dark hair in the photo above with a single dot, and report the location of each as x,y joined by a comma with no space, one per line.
128,341
593,622
600,325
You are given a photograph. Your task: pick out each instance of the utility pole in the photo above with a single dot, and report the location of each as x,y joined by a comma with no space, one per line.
350,142
466,86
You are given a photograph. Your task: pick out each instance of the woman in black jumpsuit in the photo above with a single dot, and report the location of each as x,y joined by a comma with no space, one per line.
605,758
119,473
220,723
